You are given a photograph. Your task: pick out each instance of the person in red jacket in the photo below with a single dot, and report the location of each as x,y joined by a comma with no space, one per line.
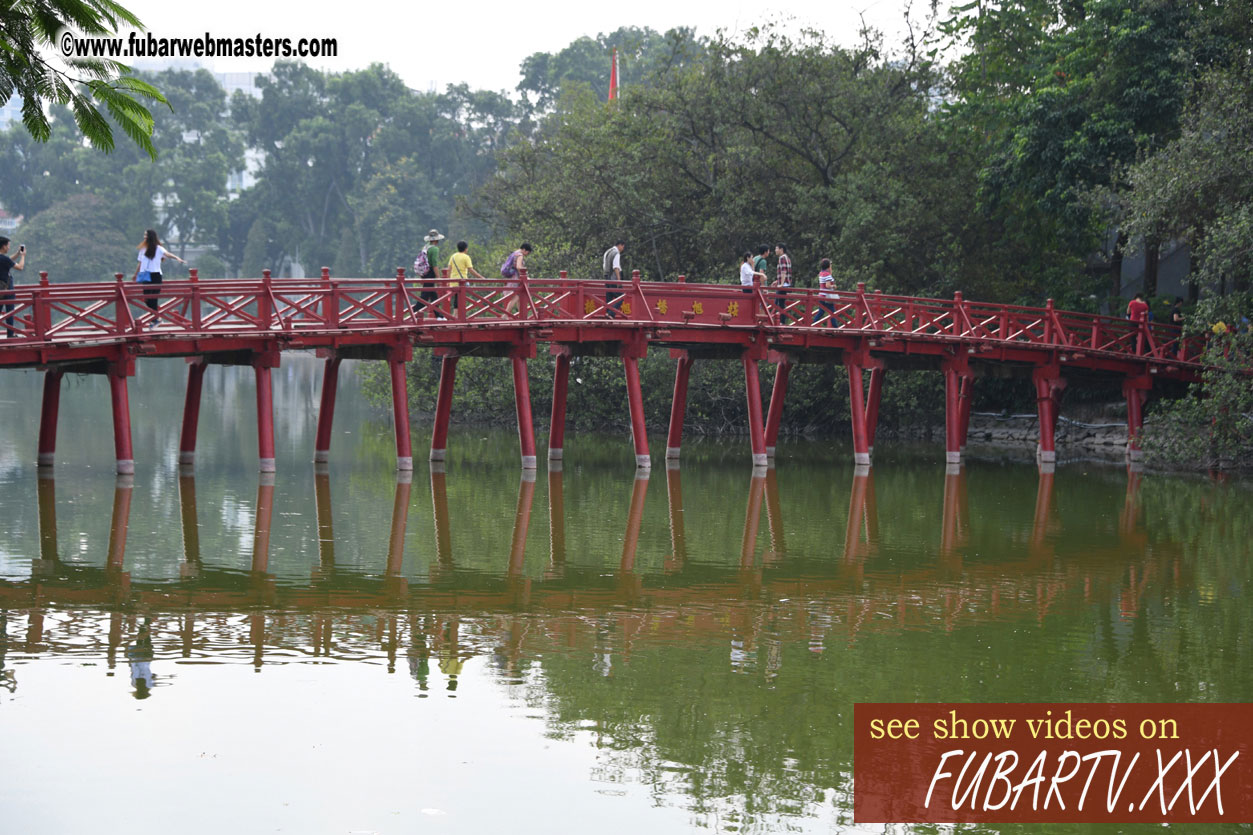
1138,309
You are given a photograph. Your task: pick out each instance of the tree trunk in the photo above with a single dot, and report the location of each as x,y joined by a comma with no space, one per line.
1115,264
1152,248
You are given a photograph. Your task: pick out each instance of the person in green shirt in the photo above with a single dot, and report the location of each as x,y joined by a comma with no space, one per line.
429,294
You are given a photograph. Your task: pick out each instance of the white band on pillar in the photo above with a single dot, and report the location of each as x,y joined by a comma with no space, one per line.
759,459
554,453
861,459
672,451
404,462
47,459
951,457
1048,455
643,462
187,456
770,452
321,456
267,465
438,454
125,466
528,462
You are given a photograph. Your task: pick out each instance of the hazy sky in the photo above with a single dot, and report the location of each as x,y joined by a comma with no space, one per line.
482,42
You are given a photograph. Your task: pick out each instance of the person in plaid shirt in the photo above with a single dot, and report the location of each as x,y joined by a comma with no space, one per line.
782,278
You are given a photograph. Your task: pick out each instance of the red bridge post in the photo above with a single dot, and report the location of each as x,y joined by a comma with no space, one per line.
874,394
443,406
678,405
958,387
400,405
48,417
522,404
191,411
1048,388
635,401
775,414
752,388
117,374
561,387
326,410
857,411
261,365
1136,391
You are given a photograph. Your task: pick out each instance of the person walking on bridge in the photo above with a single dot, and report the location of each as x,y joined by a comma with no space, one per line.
148,271
612,263
460,268
782,279
513,269
425,266
6,280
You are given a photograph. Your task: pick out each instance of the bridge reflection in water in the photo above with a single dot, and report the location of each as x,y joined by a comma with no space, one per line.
351,612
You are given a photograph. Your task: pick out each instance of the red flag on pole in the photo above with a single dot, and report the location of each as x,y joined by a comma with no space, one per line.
613,76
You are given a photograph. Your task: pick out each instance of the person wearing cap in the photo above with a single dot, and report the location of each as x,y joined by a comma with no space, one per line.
429,294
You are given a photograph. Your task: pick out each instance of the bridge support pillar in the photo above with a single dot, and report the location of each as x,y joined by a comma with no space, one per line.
561,384
1136,391
678,405
958,395
522,402
48,418
863,406
326,411
775,414
117,374
261,365
635,400
191,413
873,395
1049,386
400,410
752,388
443,407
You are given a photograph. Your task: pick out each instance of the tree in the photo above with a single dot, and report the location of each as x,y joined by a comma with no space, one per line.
77,239
27,29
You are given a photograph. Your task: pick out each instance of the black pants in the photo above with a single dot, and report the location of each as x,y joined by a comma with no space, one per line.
428,295
152,291
611,309
6,307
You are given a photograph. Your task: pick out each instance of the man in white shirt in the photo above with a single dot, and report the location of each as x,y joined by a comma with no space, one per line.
612,263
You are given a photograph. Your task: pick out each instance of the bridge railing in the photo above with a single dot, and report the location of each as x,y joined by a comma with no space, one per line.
102,310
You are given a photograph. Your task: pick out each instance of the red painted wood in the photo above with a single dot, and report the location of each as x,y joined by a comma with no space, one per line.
191,413
443,407
121,421
635,402
326,410
678,406
774,416
522,404
400,414
265,418
48,417
756,432
557,422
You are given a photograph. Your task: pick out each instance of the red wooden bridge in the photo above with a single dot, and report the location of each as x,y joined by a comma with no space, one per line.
103,328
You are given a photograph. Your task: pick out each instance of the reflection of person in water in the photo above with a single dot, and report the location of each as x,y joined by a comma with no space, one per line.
419,655
139,655
8,678
450,661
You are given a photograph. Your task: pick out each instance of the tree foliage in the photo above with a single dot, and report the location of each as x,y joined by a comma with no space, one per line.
87,85
77,239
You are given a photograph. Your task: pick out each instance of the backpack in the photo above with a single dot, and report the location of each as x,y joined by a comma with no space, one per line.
421,264
507,269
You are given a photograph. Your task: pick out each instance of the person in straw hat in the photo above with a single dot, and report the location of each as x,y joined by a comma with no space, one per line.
424,267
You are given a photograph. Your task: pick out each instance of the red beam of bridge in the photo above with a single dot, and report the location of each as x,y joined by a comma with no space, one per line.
104,327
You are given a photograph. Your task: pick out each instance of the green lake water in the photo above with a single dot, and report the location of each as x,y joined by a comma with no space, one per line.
475,651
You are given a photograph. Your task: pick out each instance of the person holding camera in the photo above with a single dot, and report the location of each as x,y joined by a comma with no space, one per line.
6,281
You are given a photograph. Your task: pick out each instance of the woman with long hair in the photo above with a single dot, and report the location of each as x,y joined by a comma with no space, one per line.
148,270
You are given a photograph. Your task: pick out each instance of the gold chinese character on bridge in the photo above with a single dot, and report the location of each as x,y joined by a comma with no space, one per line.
588,306
662,306
626,308
698,308
733,308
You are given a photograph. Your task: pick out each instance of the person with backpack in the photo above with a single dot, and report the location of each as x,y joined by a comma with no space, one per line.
513,269
611,261
460,268
424,267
